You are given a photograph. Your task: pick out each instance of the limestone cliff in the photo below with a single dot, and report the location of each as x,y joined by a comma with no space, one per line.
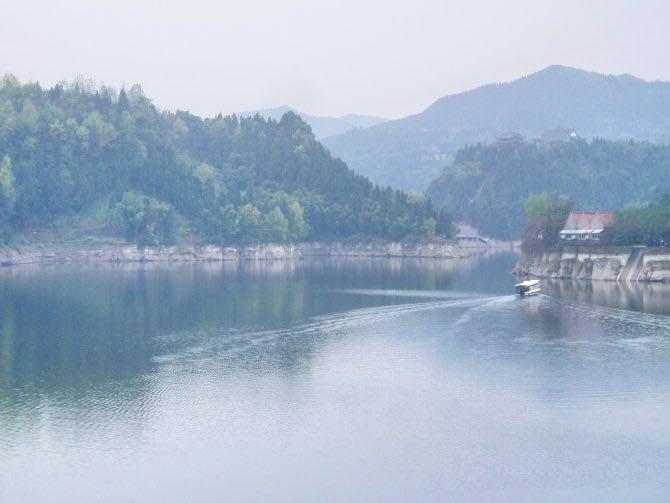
55,253
598,263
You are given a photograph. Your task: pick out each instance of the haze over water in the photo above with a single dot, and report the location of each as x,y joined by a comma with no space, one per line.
330,380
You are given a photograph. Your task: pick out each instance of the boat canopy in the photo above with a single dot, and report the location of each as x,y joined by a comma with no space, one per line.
580,231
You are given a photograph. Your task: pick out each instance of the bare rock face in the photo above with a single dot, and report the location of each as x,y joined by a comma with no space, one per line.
271,252
656,266
430,249
605,268
193,253
598,264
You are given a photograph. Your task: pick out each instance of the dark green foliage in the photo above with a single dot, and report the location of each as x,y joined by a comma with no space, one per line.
144,220
648,225
545,217
409,153
65,149
7,197
488,185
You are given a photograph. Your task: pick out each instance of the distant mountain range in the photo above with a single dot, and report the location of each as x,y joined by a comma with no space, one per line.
321,126
409,153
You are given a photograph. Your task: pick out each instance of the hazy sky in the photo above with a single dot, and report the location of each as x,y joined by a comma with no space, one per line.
388,58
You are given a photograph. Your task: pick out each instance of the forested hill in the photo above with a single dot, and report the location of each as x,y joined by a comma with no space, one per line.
488,185
73,150
409,153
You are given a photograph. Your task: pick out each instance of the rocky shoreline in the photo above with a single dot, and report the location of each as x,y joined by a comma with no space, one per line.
637,264
119,253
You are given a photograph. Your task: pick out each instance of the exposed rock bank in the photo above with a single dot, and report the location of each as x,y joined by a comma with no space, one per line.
598,263
111,253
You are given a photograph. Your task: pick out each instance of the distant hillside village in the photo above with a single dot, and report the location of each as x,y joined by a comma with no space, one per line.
516,139
409,153
558,135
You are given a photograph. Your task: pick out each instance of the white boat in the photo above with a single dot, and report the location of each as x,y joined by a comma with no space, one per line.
528,288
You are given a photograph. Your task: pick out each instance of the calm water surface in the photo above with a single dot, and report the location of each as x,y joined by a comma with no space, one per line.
334,380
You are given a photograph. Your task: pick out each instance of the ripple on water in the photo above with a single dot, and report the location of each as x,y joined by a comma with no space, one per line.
206,344
475,390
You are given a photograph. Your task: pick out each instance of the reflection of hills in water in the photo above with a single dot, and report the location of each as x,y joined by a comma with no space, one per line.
565,352
107,343
86,337
263,350
644,297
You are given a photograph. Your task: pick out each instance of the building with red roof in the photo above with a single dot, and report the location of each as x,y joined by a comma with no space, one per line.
587,226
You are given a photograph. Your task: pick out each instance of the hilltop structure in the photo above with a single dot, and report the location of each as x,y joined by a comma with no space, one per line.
559,135
400,152
509,138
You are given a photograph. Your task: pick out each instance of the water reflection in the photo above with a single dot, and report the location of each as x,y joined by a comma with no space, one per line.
644,297
293,369
63,329
66,332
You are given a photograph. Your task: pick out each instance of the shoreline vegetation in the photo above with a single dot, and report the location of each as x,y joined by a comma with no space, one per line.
156,178
490,186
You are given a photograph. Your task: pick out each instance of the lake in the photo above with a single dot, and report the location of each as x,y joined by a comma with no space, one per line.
330,380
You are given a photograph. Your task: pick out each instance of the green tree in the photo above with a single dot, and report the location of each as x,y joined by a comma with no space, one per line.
145,220
275,227
536,205
7,120
646,225
28,119
297,227
429,227
546,216
7,196
249,223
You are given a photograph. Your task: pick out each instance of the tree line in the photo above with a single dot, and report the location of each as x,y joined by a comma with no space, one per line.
487,185
646,225
76,149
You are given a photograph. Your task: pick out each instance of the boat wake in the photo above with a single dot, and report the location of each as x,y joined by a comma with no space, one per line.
415,294
210,343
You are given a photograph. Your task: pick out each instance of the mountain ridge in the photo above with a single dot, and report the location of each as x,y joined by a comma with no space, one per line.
409,153
322,126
